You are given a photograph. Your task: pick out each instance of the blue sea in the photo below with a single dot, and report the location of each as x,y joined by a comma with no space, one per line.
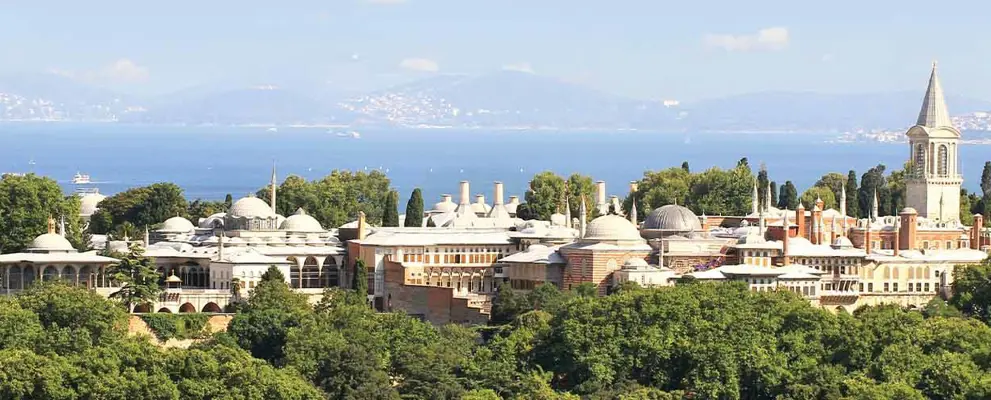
209,162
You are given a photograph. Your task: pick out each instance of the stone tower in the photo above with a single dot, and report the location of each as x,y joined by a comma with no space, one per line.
933,188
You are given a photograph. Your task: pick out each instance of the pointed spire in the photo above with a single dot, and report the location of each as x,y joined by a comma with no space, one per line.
61,225
582,217
760,224
147,241
633,212
756,200
567,210
934,113
220,246
843,201
874,206
273,183
767,198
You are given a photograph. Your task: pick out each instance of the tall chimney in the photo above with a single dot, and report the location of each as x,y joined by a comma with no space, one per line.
600,193
800,220
975,240
480,199
498,194
514,199
361,225
898,237
465,193
633,186
907,231
867,238
786,228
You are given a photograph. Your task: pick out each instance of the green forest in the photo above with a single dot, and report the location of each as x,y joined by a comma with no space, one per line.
691,341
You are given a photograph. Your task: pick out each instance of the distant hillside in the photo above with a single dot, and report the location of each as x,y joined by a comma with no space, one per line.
814,111
502,99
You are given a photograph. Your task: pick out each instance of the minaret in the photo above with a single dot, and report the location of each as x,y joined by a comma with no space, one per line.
633,212
760,223
61,225
874,207
220,245
567,209
755,201
582,217
272,194
147,241
843,201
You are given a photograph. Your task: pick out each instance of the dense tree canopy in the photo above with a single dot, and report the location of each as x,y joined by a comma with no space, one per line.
546,194
335,199
414,209
852,195
817,192
789,197
26,204
138,208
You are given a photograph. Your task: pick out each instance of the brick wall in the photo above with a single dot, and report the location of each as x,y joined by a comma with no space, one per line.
434,304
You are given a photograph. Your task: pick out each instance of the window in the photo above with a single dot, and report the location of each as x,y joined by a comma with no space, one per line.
886,286
943,159
920,159
949,245
861,286
894,287
870,287
927,286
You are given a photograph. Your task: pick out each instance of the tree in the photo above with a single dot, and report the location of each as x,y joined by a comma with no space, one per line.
336,198
852,195
506,305
546,194
228,202
684,167
986,180
137,277
774,192
202,209
895,190
142,207
835,181
390,212
972,290
788,197
722,192
414,209
818,192
26,204
660,188
359,280
873,180
271,312
762,183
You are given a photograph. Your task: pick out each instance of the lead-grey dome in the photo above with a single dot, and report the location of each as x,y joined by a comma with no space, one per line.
673,218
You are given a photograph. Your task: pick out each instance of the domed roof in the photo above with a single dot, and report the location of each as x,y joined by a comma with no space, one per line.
445,205
479,206
635,263
611,227
213,221
176,224
672,217
250,207
909,210
558,219
50,242
751,238
89,202
301,222
842,242
798,241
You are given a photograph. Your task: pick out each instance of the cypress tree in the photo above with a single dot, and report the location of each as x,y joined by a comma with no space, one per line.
788,197
228,201
762,182
986,180
684,166
430,223
870,181
359,279
414,210
852,203
390,215
774,192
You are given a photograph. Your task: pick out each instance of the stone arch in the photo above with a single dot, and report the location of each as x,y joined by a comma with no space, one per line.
894,273
49,273
294,273
920,159
68,274
85,277
310,274
15,277
165,310
143,308
187,308
330,276
943,161
30,275
212,307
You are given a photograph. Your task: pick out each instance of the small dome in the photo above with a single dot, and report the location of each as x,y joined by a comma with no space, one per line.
558,219
611,227
635,263
176,225
50,242
751,238
89,202
301,222
672,217
909,210
173,279
250,207
479,207
842,242
798,241
445,205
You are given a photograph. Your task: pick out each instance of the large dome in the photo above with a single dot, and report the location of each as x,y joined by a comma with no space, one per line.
250,207
50,242
88,203
301,222
176,224
610,228
672,217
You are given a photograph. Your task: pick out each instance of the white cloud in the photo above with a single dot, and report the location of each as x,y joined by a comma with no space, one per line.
771,39
419,64
120,71
124,70
519,67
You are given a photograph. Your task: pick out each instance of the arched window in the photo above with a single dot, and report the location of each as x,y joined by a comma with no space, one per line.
920,159
943,161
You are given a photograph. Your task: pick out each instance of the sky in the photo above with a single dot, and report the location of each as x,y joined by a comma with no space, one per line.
648,49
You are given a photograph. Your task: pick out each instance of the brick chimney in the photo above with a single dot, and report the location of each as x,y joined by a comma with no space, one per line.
907,230
975,232
800,220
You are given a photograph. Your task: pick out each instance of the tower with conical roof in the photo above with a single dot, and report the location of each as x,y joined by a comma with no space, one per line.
935,172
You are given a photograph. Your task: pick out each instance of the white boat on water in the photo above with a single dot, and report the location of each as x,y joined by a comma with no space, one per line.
80,179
